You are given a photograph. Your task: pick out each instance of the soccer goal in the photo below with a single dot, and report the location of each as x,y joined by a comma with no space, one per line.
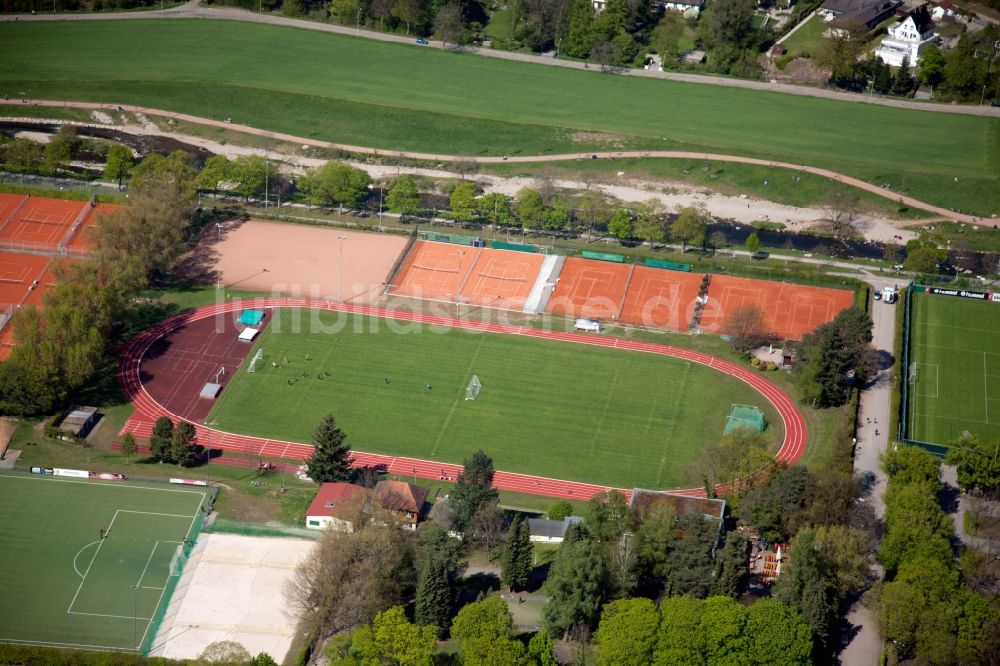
257,359
913,373
473,389
177,561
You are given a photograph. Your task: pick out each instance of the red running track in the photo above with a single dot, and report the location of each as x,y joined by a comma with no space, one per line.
148,410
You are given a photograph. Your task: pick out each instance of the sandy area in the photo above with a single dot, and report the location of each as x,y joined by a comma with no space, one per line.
292,259
233,589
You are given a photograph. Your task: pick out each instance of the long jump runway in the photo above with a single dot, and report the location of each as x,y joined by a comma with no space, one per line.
148,408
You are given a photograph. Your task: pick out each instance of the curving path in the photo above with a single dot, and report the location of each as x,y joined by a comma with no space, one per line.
562,157
148,409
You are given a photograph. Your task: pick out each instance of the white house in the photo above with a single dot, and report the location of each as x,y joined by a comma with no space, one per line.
683,5
907,38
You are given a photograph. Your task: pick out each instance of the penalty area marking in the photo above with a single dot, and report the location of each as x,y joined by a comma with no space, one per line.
77,556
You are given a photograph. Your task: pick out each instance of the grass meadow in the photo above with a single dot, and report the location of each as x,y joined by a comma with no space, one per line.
957,359
548,408
397,96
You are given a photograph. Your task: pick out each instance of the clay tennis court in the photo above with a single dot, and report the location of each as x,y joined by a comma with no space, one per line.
17,274
659,298
589,288
434,271
296,259
177,366
789,310
42,223
8,204
501,278
82,240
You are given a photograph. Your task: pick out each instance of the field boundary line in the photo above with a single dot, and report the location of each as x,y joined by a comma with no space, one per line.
77,556
986,389
49,479
72,646
91,565
154,513
937,380
148,560
120,617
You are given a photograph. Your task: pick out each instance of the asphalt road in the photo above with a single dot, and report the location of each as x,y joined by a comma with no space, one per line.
192,10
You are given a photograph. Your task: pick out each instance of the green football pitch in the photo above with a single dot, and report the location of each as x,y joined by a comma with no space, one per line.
62,584
548,408
955,369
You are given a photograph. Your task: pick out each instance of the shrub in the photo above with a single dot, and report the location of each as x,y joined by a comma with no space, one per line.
771,365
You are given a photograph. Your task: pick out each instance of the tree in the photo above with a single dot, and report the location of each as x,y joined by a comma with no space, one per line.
978,467
741,451
580,34
485,630
119,163
623,565
608,516
495,207
776,635
263,659
540,649
620,225
730,570
834,354
175,173
23,156
392,639
182,447
463,201
518,557
560,510
227,653
911,464
627,632
487,528
962,72
473,489
350,577
931,70
681,639
923,256
752,244
731,22
403,196
654,540
161,439
335,182
331,457
665,38
607,54
529,207
434,595
723,626
747,328
842,207
689,227
57,154
251,173
902,82
574,587
410,12
129,446
691,557
448,24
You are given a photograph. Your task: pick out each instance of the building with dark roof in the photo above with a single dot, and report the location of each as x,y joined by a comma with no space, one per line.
551,531
866,12
404,499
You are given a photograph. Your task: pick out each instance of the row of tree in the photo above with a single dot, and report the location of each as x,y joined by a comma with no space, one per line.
62,344
928,608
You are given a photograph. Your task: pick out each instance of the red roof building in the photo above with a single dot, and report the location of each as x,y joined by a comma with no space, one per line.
335,505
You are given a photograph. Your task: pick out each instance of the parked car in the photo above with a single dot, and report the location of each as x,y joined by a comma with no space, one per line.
877,296
422,41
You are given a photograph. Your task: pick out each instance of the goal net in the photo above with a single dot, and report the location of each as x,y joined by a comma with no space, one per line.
473,389
257,359
913,373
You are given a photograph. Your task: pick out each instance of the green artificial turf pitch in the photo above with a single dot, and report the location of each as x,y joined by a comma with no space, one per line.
397,96
957,387
548,408
62,585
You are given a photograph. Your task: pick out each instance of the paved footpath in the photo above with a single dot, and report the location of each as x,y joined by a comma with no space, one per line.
192,10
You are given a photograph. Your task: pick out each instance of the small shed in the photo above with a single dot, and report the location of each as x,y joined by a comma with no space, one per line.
248,334
79,422
779,50
695,57
551,531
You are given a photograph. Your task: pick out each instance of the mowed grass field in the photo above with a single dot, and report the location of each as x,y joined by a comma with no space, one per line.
398,96
549,408
957,387
64,586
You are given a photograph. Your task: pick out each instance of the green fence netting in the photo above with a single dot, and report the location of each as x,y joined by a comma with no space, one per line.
603,256
668,265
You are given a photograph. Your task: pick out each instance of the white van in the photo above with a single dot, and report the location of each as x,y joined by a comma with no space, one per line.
591,325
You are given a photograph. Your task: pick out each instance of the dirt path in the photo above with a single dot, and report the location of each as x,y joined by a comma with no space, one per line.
523,159
192,10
